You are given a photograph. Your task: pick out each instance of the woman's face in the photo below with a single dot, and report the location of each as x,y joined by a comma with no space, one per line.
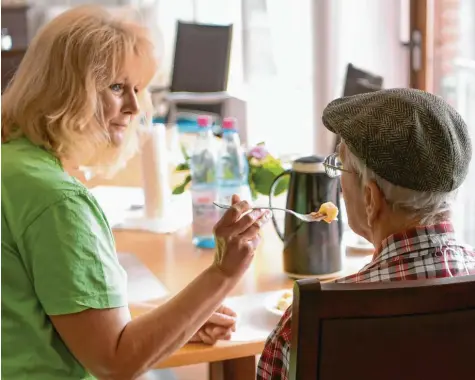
121,103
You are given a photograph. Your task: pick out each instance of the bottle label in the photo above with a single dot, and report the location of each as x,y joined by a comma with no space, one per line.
205,213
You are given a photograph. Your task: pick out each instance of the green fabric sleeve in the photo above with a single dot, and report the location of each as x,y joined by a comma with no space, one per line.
70,254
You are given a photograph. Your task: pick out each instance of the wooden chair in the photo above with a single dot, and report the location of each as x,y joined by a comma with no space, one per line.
383,331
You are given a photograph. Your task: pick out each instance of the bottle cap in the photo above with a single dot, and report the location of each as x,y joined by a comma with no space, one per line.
229,123
203,121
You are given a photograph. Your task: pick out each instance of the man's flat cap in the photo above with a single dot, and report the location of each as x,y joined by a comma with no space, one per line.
409,137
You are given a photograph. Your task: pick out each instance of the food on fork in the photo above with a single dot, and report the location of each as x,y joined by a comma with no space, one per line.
285,300
329,210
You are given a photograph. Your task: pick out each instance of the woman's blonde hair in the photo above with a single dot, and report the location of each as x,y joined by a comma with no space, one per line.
54,98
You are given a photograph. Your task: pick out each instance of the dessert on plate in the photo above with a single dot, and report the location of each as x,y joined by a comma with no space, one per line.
285,300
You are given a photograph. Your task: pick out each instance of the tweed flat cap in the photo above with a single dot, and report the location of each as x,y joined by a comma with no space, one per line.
409,137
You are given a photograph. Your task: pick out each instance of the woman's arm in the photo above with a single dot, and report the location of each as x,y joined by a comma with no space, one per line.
112,346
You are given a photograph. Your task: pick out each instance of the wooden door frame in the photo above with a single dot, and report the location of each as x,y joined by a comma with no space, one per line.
422,20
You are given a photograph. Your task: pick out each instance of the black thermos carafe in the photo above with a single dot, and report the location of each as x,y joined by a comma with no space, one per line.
310,249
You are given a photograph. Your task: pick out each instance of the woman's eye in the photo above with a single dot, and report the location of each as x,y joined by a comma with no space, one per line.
116,87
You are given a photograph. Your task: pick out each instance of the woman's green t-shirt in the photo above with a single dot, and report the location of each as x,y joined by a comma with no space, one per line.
58,257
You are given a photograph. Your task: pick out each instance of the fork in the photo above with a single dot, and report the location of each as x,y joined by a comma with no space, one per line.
309,218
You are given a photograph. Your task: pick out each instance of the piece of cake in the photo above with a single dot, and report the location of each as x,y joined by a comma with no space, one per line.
330,210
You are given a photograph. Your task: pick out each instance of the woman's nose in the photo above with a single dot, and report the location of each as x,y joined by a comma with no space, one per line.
131,104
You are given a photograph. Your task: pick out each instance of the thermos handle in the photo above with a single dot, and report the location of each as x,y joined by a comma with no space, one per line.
272,189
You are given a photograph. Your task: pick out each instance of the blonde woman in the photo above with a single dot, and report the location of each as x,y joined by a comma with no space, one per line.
73,102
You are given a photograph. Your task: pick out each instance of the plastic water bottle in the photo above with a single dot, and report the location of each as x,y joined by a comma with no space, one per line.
233,168
203,185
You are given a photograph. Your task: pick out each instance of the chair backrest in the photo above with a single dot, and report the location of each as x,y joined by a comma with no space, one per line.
359,81
400,330
202,56
201,62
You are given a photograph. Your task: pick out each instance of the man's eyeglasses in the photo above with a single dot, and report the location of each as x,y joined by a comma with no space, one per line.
334,166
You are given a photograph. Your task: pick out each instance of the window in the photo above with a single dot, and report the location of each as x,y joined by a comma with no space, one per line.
452,69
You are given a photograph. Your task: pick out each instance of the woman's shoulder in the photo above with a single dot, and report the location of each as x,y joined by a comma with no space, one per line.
34,181
29,171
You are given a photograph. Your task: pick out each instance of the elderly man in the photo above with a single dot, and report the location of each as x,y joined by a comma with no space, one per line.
402,156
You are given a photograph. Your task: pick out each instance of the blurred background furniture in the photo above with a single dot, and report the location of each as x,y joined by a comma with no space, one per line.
201,58
359,81
14,39
400,330
199,79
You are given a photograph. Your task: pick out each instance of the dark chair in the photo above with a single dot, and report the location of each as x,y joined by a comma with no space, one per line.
359,82
202,56
14,25
200,67
398,330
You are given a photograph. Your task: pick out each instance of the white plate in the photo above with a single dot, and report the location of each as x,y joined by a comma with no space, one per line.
356,243
271,303
366,249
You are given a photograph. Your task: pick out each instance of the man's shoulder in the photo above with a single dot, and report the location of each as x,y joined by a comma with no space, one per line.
436,261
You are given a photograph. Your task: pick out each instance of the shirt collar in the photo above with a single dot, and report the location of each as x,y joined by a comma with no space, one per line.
415,239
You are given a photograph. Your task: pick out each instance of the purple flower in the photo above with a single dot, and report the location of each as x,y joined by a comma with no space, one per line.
259,152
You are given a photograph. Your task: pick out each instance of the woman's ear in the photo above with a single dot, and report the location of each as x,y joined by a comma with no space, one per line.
373,198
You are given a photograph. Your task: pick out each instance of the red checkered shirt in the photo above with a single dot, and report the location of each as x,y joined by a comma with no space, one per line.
418,253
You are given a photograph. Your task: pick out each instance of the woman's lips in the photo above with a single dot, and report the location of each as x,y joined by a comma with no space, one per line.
119,127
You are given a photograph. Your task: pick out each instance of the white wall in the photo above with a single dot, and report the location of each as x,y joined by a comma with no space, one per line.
467,29
161,17
368,35
312,41
363,32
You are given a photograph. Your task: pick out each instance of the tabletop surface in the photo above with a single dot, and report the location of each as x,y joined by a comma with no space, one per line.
172,262
175,262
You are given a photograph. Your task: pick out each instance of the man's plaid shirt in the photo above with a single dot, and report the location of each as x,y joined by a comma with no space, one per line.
418,253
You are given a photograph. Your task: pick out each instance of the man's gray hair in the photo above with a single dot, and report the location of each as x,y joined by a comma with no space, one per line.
429,207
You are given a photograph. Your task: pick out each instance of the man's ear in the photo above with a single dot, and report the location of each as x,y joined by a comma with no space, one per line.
373,198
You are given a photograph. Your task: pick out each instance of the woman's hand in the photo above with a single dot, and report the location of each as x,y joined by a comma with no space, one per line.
219,326
237,237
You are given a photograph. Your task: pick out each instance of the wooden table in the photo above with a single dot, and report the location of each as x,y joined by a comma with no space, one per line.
175,262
